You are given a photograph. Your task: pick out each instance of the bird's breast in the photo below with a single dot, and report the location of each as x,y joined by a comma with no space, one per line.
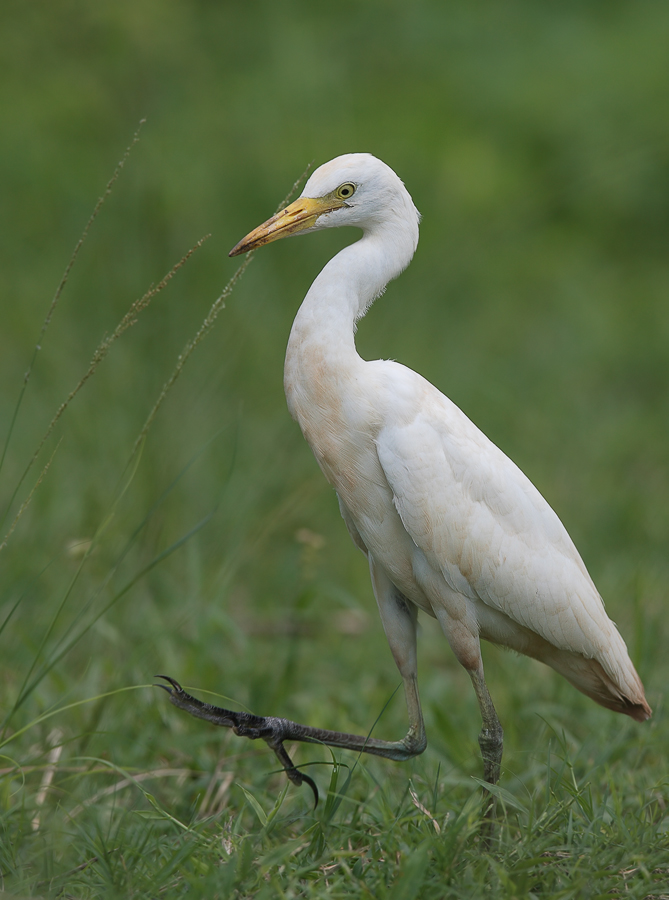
326,396
340,420
340,438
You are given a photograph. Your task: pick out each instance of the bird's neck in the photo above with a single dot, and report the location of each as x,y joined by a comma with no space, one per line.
321,350
345,289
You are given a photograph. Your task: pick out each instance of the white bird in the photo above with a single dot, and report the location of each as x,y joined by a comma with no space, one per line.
449,524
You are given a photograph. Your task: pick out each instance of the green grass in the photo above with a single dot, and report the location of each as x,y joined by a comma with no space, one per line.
533,141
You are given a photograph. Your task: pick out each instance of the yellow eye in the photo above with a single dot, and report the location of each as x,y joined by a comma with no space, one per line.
344,191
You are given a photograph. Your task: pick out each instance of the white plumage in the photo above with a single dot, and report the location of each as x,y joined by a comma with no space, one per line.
449,524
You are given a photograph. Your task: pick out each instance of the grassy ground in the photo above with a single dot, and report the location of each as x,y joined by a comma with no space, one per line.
533,141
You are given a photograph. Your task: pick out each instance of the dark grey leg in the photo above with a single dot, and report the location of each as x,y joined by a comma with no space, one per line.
491,738
275,731
399,622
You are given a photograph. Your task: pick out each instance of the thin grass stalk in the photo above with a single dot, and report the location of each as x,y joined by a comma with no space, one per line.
129,319
60,288
26,502
183,357
25,690
117,596
205,328
29,686
135,534
49,714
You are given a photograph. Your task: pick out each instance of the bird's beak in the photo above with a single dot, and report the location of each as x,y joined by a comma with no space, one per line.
294,218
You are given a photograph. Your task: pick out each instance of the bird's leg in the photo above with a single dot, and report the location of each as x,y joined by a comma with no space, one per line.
491,744
399,622
275,731
462,635
399,617
491,736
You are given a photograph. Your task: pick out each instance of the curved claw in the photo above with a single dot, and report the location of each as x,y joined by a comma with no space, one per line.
312,785
294,775
297,777
174,685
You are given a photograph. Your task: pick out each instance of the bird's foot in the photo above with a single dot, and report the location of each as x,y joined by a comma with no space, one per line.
276,731
272,730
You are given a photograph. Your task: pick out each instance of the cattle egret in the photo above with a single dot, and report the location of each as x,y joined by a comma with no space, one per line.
448,523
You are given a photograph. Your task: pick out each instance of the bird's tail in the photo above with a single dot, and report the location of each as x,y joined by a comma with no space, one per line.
623,694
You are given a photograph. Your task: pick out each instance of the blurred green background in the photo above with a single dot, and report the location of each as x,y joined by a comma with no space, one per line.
534,139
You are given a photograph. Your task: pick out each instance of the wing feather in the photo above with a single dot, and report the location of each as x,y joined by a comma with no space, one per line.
482,524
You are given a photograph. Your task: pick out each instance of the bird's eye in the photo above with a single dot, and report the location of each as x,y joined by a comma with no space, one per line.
344,191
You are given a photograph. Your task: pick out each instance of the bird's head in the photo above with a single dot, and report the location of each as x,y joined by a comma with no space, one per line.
355,189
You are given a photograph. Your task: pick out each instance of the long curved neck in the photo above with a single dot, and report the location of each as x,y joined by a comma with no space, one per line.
347,286
321,357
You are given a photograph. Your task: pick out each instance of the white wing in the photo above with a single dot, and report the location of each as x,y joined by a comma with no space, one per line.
484,526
